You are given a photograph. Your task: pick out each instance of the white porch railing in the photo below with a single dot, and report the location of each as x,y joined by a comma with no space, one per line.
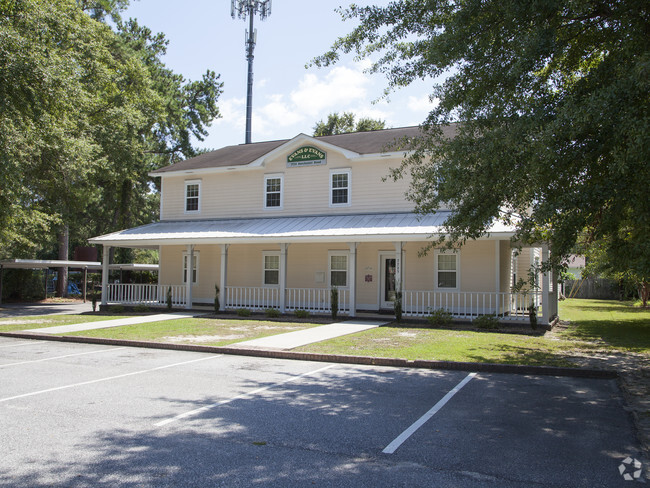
316,300
469,305
252,298
135,294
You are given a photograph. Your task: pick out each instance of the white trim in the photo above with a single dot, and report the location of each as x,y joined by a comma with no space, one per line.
184,262
453,252
330,254
264,255
273,176
340,171
198,210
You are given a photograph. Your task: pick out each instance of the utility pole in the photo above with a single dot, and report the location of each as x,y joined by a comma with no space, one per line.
243,9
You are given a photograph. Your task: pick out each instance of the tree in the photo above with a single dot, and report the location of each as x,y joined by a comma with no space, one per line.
551,101
340,124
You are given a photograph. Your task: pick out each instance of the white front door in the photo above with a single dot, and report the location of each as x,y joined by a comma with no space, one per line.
387,263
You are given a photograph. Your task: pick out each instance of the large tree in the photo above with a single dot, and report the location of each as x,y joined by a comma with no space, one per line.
340,124
553,110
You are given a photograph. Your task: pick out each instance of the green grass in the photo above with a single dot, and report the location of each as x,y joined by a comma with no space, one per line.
209,332
41,321
597,325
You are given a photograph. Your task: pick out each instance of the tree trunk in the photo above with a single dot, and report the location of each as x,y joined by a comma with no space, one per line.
62,281
644,293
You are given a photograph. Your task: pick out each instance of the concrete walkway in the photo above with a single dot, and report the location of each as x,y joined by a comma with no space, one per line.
299,338
103,324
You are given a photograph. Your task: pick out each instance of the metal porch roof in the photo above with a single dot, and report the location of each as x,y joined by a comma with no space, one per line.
338,228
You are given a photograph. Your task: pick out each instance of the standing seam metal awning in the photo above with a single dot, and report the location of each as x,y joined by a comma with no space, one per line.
338,228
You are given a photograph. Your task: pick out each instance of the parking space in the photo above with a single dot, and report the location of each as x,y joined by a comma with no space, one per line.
89,415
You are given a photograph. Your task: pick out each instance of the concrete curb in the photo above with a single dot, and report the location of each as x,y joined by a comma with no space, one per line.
332,358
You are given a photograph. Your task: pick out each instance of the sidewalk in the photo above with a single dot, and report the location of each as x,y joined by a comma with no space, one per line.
290,340
103,324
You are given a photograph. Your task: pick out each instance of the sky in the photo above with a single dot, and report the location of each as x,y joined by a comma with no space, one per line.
288,98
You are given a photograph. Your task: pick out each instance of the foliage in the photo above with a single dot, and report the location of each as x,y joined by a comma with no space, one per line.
243,312
301,314
272,313
334,302
116,309
532,315
141,308
486,322
217,305
341,124
22,284
397,306
169,298
440,318
552,102
86,113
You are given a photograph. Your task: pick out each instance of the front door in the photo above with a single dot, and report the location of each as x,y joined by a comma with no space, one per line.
387,291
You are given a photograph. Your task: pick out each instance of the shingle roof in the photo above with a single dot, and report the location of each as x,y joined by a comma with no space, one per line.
370,142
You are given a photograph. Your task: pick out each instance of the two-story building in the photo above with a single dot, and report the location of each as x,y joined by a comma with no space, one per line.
278,224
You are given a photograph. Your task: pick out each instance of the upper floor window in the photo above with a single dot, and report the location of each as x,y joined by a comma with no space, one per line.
340,187
273,191
192,196
447,268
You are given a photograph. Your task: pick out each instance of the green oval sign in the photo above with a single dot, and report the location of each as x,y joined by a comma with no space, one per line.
306,156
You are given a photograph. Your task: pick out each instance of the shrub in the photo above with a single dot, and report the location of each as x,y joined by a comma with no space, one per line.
302,314
487,322
397,306
532,316
272,313
334,300
217,305
116,309
440,317
169,298
243,312
141,308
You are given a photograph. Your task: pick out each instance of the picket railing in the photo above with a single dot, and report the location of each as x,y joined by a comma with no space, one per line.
136,294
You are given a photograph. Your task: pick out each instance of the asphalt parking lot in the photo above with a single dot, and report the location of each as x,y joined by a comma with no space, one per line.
81,415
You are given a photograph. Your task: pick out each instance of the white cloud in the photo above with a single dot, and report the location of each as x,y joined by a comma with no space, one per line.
422,104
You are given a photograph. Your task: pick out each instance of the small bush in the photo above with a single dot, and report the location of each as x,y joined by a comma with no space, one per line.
116,309
141,308
272,313
243,312
301,314
334,299
440,318
487,322
169,298
397,306
532,316
217,305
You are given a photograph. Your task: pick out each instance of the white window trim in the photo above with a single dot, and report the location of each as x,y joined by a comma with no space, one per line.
339,171
270,253
347,269
185,258
437,253
271,177
187,183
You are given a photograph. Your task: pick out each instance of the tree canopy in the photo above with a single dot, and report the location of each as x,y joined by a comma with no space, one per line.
86,112
551,101
341,124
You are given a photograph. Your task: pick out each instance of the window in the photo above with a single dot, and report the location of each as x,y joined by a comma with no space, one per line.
447,270
192,193
340,187
195,267
338,269
273,191
271,269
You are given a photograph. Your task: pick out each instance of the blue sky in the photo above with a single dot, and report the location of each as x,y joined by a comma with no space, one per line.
288,99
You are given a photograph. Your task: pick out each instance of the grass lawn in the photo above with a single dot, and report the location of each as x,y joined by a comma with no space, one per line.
209,332
596,326
39,321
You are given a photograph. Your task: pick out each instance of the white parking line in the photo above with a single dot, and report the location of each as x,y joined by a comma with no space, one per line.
61,357
106,379
22,344
243,395
392,447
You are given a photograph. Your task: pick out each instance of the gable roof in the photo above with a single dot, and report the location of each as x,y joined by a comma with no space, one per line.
371,142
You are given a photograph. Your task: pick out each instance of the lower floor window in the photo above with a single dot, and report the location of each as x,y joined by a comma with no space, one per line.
447,270
271,269
338,270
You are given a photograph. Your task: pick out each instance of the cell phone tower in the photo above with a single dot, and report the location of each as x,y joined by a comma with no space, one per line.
243,9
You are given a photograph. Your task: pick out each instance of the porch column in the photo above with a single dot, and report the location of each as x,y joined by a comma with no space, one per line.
189,275
105,258
497,273
546,295
399,273
353,278
283,276
223,278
